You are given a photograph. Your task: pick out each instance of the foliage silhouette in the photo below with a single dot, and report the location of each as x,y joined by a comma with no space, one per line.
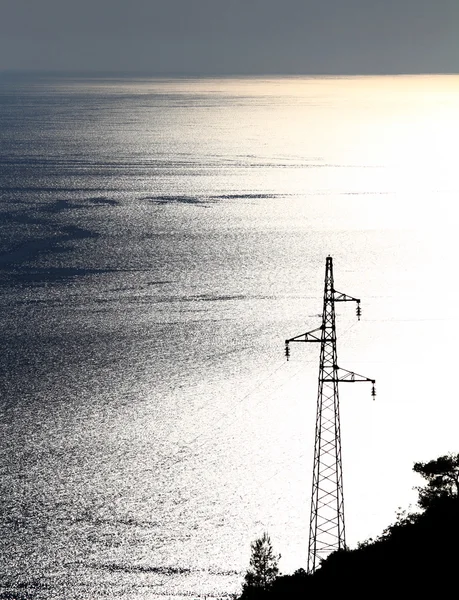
442,477
416,556
263,569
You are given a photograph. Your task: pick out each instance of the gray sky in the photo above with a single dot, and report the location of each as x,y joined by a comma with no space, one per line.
232,36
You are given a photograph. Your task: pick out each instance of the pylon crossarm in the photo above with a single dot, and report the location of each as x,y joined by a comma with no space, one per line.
309,336
351,377
340,297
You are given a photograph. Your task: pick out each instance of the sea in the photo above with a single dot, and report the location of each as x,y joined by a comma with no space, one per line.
160,239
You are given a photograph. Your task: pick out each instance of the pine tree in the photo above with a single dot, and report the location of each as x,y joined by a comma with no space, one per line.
442,476
263,568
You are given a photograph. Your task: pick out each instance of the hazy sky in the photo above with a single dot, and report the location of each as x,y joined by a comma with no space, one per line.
231,36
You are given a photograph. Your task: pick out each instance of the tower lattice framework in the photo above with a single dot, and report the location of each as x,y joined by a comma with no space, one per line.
326,527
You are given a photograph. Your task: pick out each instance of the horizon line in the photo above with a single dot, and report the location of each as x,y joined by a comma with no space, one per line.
195,74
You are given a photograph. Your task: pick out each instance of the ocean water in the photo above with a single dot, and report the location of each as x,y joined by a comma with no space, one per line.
161,238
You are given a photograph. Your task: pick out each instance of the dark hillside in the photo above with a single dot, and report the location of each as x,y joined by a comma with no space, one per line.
417,556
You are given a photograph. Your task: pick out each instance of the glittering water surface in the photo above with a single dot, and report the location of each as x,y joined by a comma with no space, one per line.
160,239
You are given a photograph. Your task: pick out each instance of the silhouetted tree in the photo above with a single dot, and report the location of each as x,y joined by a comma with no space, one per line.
263,568
442,475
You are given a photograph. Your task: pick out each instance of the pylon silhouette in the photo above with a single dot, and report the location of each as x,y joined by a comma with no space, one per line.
326,528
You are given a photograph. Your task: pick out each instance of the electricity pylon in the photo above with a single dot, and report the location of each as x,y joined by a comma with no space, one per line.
326,528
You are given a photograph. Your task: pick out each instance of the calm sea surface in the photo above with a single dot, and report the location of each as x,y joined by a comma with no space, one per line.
160,238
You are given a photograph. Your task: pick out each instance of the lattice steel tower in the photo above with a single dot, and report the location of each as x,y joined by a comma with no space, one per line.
326,529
